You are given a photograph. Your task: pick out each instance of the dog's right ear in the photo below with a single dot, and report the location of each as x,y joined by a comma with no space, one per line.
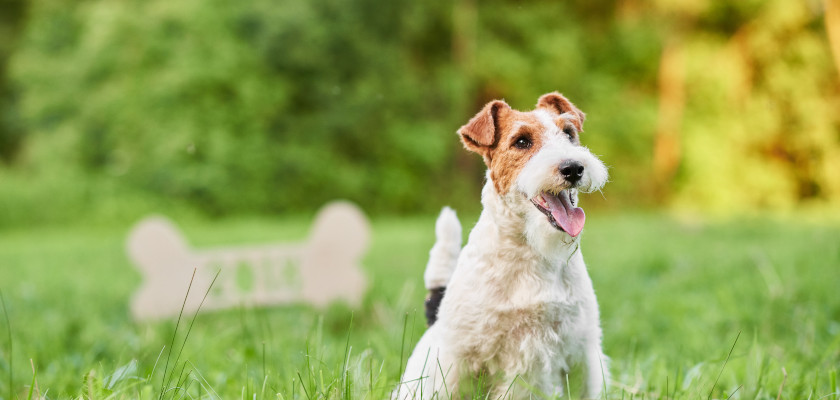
482,132
557,103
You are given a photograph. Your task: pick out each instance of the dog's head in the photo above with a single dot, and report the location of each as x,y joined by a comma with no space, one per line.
535,160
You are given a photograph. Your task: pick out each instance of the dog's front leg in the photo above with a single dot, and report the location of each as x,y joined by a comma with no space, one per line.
431,371
527,386
597,373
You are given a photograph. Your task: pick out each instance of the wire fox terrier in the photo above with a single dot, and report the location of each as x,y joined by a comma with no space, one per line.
516,306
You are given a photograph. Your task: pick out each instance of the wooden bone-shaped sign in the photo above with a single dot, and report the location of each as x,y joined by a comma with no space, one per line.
320,270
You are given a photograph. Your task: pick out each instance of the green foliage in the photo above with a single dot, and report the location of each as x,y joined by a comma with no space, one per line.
237,107
266,107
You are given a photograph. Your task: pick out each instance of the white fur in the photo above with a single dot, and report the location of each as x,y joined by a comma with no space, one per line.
520,304
444,254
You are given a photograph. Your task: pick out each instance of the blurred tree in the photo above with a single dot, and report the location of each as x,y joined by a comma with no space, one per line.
13,18
223,104
761,118
255,107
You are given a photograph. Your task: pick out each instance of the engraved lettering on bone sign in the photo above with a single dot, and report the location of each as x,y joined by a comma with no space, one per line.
321,269
290,275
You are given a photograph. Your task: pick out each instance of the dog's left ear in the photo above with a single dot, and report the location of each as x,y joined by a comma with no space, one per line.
557,103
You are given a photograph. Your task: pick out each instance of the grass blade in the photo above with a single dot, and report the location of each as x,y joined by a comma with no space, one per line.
344,372
724,365
34,387
784,380
195,315
736,391
11,348
303,386
31,386
163,382
402,352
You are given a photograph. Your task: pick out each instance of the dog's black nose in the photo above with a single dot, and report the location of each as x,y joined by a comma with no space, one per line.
572,171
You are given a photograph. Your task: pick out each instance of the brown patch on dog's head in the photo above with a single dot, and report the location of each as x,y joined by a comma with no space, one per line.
556,103
505,138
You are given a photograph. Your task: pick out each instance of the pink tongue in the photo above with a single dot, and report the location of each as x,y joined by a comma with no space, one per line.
570,218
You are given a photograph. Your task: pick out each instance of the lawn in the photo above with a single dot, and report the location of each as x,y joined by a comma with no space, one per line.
689,310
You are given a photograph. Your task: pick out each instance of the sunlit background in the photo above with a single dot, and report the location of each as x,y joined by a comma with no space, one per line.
114,109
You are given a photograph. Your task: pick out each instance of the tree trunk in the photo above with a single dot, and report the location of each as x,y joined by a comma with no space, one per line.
666,147
13,15
832,27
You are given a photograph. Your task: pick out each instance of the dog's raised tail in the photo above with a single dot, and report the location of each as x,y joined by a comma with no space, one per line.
442,260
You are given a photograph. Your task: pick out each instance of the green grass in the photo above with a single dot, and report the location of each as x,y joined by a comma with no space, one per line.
674,297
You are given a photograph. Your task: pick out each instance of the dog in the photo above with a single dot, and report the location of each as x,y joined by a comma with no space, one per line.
514,309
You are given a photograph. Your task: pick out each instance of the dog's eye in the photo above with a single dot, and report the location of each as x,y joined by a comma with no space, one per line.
570,132
523,142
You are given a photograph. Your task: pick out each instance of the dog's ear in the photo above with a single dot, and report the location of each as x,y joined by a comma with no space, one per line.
557,103
482,132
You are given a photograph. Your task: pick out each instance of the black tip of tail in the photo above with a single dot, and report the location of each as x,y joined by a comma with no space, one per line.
433,303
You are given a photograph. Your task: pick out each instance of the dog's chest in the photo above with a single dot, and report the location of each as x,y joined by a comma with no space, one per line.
551,326
517,310
545,332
